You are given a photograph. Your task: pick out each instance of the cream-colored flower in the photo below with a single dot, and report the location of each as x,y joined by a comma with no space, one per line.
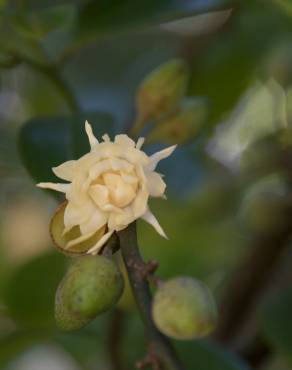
109,186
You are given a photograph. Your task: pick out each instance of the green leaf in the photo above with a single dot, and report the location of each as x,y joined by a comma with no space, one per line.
205,356
103,16
38,24
275,317
16,44
48,142
30,293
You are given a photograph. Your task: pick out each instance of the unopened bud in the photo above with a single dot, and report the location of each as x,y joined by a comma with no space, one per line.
183,308
182,126
162,90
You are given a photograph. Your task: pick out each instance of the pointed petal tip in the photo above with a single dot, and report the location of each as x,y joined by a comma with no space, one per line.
172,148
140,142
91,138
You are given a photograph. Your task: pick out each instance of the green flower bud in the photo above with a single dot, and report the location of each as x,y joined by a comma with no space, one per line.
92,285
182,126
161,91
183,308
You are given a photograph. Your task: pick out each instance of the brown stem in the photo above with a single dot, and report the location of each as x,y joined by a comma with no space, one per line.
257,353
251,278
159,345
116,326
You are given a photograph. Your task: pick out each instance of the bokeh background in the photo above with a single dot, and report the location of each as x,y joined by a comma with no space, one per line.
228,213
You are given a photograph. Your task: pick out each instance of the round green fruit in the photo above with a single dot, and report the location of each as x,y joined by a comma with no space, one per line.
92,285
65,319
183,308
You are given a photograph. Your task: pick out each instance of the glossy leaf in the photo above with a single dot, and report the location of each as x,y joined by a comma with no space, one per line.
31,290
48,142
103,16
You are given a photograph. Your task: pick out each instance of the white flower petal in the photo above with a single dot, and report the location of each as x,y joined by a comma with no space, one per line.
100,243
118,164
140,142
78,240
77,215
77,194
139,205
128,178
151,219
63,188
99,194
66,170
92,139
97,169
124,140
106,138
94,223
111,208
155,184
156,157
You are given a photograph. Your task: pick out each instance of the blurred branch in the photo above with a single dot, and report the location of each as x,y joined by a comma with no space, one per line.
257,353
9,62
160,348
52,72
115,340
251,278
55,77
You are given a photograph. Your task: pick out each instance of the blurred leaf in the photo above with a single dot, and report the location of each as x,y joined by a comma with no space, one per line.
228,63
103,16
204,356
197,246
275,317
48,142
39,24
89,342
16,343
31,290
43,144
16,44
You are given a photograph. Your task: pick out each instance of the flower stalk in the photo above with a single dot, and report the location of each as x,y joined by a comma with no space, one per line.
159,346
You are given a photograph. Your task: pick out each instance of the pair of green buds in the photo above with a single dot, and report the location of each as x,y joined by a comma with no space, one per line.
182,308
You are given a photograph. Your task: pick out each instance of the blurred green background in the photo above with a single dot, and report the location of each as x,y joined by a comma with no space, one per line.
228,214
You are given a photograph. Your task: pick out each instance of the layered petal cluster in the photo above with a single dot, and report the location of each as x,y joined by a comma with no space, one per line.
109,187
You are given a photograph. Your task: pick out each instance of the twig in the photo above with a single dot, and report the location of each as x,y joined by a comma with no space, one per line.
159,345
115,340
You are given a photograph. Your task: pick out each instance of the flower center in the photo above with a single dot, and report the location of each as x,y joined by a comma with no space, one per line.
121,193
116,188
